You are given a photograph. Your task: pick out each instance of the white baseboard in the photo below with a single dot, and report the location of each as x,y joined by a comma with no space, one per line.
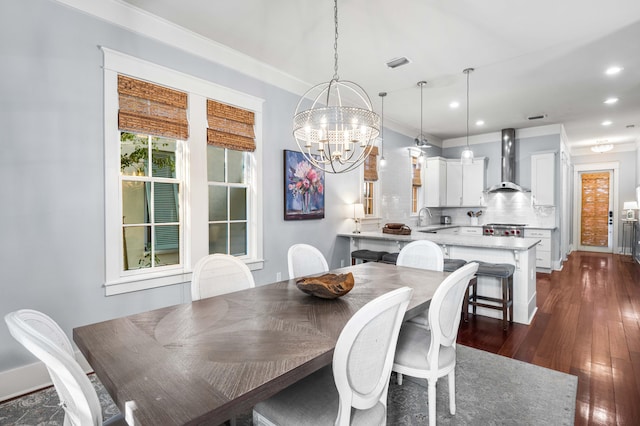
30,378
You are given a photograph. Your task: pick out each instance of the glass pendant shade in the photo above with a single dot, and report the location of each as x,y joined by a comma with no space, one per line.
466,158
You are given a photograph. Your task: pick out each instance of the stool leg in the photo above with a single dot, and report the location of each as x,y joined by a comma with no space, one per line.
465,304
353,261
474,284
511,298
505,302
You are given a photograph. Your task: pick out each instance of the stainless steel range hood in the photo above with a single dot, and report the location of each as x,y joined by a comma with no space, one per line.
508,164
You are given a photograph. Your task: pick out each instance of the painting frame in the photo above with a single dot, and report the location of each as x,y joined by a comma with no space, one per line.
304,188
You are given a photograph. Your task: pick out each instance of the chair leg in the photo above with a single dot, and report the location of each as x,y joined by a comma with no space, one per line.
432,401
452,392
399,376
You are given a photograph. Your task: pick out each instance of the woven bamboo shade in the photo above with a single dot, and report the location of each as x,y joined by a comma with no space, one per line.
230,127
595,209
152,109
371,165
417,177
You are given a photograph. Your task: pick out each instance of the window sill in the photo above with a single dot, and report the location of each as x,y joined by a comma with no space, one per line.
161,279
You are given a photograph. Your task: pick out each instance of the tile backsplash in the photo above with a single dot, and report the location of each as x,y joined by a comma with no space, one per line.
501,207
506,207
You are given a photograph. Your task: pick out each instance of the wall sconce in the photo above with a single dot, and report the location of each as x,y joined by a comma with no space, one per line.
358,215
630,207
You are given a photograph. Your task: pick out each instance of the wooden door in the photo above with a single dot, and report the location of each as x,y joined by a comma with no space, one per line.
595,207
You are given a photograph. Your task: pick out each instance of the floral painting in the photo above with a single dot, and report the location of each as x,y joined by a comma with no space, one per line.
304,188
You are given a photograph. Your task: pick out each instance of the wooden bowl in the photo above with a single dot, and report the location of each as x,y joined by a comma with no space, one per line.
327,286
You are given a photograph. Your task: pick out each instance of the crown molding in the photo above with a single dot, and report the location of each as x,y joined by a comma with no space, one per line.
141,22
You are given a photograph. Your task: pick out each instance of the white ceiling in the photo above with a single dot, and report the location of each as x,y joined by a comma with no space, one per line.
531,57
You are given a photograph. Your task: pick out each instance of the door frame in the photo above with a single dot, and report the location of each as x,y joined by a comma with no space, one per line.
612,166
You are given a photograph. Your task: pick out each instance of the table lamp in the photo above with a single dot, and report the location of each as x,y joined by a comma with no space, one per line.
630,207
358,215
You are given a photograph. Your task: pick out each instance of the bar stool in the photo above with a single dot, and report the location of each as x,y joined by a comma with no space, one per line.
367,256
504,272
451,265
390,258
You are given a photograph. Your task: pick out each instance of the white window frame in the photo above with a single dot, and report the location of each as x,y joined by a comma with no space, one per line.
195,194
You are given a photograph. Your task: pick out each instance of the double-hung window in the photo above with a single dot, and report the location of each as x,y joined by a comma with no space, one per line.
180,183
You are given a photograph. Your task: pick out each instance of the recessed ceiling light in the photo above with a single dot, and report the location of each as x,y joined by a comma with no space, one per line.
480,123
613,70
611,101
454,104
606,123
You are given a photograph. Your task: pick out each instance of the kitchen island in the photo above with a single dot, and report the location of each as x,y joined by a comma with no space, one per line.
520,252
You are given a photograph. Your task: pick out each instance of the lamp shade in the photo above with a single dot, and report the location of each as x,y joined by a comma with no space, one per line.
358,211
630,205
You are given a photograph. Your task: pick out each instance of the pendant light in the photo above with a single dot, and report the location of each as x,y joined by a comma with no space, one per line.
337,132
383,161
466,157
421,141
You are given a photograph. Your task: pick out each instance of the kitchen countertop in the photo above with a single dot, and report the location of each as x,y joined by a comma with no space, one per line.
480,241
435,227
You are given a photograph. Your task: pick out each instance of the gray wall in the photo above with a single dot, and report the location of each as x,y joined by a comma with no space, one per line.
52,215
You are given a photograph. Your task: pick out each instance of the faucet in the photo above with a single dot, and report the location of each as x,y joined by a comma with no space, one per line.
420,215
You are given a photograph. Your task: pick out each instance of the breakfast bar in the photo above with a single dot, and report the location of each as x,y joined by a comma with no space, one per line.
520,252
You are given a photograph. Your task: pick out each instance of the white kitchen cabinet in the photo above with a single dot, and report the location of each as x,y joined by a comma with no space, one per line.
435,182
543,249
466,184
543,180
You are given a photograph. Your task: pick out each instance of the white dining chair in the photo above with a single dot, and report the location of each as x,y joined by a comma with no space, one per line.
421,254
218,274
357,379
431,354
304,259
42,336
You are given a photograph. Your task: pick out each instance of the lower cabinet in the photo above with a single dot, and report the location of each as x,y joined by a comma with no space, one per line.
543,249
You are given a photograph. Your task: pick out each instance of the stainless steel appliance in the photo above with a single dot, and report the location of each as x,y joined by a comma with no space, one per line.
445,220
508,164
504,230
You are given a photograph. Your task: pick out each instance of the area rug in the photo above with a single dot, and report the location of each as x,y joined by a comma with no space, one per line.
490,390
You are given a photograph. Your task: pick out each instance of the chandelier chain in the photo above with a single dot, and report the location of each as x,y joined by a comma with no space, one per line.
335,42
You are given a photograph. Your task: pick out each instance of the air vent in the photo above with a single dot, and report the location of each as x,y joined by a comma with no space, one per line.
537,117
398,62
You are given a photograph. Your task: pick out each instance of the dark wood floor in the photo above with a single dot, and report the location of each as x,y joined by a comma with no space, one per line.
588,325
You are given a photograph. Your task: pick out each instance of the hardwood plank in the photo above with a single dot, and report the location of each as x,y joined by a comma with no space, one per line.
625,388
588,324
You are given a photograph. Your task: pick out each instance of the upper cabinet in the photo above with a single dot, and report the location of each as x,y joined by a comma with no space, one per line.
543,169
466,184
435,182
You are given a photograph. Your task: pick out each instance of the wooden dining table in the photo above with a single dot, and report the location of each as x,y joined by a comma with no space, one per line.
206,361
